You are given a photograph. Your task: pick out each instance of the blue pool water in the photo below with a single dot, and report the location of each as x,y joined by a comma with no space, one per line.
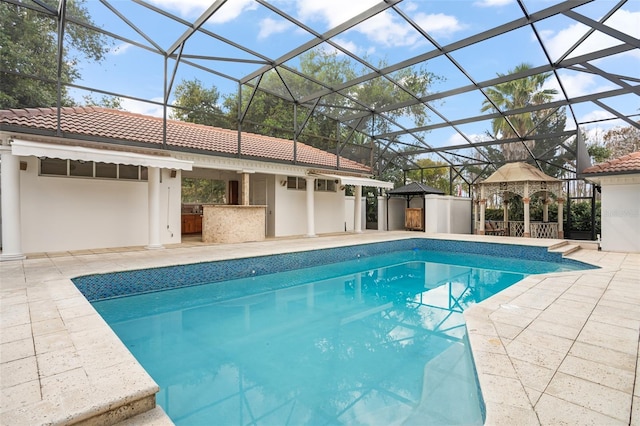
374,340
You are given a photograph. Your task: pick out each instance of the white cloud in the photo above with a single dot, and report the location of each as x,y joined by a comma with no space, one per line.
457,139
624,21
192,8
120,49
439,24
144,108
346,44
385,28
269,26
577,84
596,115
333,12
184,7
492,3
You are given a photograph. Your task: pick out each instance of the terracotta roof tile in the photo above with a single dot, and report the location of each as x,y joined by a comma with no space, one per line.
626,164
126,126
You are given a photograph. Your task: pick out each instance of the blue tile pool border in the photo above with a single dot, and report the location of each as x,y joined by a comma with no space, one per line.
125,283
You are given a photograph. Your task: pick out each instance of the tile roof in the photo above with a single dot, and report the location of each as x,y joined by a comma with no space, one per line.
119,125
627,164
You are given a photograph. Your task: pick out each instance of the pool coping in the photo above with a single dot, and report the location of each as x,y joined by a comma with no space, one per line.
65,365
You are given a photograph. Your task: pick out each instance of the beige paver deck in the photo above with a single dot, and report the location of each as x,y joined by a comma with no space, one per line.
552,349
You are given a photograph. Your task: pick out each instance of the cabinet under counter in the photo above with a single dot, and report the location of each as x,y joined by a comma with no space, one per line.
191,223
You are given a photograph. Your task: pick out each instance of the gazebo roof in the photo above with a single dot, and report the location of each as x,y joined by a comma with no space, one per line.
519,172
415,188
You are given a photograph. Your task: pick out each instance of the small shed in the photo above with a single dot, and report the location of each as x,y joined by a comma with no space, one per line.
619,180
414,219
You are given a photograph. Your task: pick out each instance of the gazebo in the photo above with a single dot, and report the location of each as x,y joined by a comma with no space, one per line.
524,180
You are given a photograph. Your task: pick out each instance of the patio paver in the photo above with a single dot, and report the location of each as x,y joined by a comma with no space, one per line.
552,349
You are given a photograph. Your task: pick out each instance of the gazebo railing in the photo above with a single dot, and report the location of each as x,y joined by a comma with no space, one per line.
544,230
515,228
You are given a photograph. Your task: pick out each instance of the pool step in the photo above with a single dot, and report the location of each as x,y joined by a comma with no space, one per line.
565,248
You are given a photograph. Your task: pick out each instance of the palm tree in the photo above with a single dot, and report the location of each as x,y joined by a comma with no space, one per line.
512,95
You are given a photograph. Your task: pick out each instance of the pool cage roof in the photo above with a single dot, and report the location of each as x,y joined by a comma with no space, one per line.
416,80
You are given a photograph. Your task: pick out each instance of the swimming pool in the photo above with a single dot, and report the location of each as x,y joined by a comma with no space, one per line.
373,340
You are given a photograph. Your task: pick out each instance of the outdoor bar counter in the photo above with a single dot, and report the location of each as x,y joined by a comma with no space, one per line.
233,223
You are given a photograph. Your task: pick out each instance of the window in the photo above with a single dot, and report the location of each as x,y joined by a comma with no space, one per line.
322,185
90,169
53,166
81,168
204,191
128,172
296,183
106,170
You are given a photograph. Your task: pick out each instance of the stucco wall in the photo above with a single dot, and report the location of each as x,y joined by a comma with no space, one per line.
620,217
349,216
290,207
60,213
444,214
396,207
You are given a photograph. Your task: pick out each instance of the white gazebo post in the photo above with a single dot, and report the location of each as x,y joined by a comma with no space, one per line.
10,182
483,203
505,209
545,208
525,200
560,217
154,208
357,209
475,216
311,185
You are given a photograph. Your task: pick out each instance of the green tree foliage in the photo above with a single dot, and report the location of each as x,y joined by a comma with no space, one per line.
599,153
432,173
28,48
203,191
112,102
516,94
272,112
196,104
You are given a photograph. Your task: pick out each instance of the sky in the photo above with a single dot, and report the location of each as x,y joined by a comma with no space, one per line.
383,39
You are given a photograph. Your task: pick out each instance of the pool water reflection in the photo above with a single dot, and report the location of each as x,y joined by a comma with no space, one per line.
377,341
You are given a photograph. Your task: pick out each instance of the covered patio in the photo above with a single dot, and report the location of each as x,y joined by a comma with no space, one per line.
524,180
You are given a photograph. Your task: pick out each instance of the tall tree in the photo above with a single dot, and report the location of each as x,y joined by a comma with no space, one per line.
513,95
272,106
432,173
622,140
196,104
28,53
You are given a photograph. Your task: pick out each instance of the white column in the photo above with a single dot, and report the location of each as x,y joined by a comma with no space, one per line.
245,189
382,213
483,203
560,217
505,212
311,220
475,217
526,200
357,210
545,208
154,208
10,181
